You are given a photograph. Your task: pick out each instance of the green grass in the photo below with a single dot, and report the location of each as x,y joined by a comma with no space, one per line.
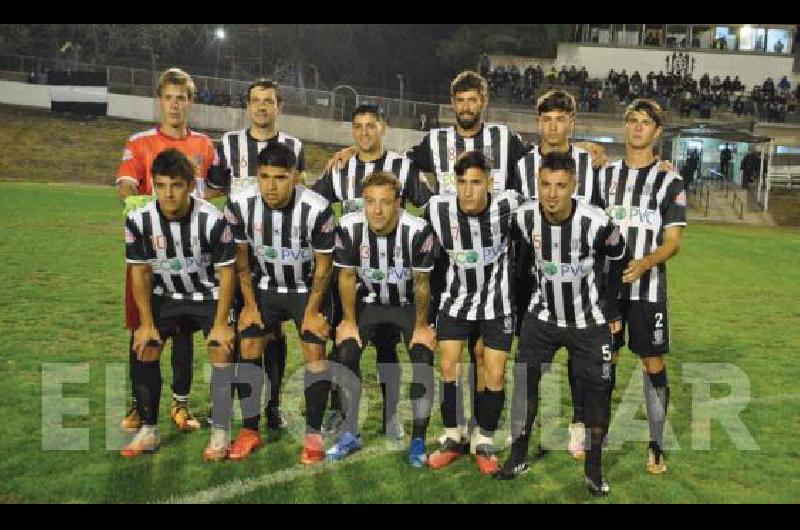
734,299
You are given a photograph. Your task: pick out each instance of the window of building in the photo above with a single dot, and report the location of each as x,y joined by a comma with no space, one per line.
752,39
702,37
627,34
724,38
779,41
677,36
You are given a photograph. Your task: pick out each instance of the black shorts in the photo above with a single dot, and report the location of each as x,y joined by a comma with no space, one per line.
171,315
497,333
648,327
385,323
387,336
276,307
589,348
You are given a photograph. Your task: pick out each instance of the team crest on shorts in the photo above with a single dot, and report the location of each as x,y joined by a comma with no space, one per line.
658,337
508,324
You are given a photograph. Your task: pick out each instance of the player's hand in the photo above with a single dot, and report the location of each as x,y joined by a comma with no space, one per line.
133,202
636,268
315,324
144,344
598,152
223,335
425,336
249,316
348,330
339,158
666,165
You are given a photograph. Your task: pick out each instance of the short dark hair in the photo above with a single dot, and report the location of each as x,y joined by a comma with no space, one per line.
649,107
469,80
266,84
277,155
369,108
555,100
173,163
558,162
381,178
471,159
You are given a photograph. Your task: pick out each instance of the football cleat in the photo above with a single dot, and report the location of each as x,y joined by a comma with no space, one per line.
486,459
347,445
656,463
218,446
247,442
132,422
182,417
516,464
446,454
145,441
598,490
313,449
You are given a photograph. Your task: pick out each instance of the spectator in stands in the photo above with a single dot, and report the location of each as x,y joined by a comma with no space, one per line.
721,44
737,85
768,87
689,169
34,79
552,75
705,81
563,75
784,85
724,161
727,84
778,48
485,64
623,86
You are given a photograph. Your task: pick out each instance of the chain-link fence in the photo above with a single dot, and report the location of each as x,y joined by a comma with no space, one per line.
336,104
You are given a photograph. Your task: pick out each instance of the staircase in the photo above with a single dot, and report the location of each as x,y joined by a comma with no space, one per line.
725,203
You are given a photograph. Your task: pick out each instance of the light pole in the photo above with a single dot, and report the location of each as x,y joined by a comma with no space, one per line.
400,78
219,36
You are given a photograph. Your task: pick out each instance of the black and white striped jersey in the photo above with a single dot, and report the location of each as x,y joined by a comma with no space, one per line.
477,252
182,253
238,159
643,202
283,241
384,264
588,189
572,289
441,148
345,185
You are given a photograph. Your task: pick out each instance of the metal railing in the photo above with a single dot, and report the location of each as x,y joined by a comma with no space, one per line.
336,104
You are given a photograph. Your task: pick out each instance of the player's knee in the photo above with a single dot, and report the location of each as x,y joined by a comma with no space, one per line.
350,354
653,365
421,354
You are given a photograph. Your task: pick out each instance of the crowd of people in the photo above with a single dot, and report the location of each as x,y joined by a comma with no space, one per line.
685,95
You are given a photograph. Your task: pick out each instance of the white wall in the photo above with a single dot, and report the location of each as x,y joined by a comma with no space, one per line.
209,117
24,94
751,68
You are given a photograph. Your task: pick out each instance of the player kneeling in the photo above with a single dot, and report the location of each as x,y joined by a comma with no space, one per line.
384,254
181,252
289,231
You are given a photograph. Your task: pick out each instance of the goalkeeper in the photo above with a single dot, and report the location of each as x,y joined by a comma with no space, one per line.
175,93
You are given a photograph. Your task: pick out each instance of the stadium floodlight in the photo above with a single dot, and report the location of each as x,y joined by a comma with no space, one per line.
219,33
